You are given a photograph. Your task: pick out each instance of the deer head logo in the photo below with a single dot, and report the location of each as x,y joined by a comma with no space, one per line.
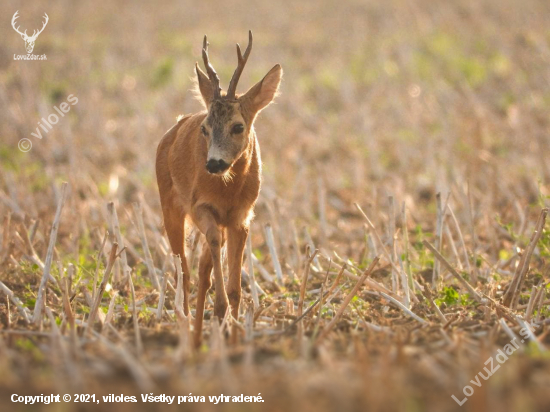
29,40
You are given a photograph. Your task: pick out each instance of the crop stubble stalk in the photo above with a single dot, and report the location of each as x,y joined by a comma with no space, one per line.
138,211
512,294
39,306
273,251
348,299
453,271
102,286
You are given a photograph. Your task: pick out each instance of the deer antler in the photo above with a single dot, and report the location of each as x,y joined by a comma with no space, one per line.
212,75
238,71
15,17
34,36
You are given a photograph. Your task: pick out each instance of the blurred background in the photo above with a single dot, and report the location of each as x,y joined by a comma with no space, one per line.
403,97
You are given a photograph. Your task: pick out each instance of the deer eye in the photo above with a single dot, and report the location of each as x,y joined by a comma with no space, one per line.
237,129
204,131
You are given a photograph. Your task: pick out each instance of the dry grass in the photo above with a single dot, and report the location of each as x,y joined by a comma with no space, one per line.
431,117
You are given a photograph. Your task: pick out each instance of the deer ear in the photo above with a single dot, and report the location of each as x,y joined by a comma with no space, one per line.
205,87
263,92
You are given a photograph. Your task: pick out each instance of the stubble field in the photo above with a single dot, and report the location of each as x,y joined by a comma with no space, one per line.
400,238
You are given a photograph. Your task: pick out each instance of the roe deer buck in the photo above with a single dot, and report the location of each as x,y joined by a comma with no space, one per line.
208,169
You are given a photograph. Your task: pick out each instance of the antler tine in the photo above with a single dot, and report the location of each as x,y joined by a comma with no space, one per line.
212,75
241,63
15,17
35,34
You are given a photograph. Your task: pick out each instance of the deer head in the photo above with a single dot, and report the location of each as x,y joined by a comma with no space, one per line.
227,127
29,40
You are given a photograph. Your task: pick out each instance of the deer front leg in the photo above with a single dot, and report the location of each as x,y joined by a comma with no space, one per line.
236,240
207,224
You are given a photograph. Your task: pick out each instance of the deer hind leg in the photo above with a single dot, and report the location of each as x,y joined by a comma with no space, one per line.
207,224
205,268
236,240
174,223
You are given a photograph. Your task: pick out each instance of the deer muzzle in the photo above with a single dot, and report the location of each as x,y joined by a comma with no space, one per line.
216,166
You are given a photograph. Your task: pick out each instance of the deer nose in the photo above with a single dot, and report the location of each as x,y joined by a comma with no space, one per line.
216,166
